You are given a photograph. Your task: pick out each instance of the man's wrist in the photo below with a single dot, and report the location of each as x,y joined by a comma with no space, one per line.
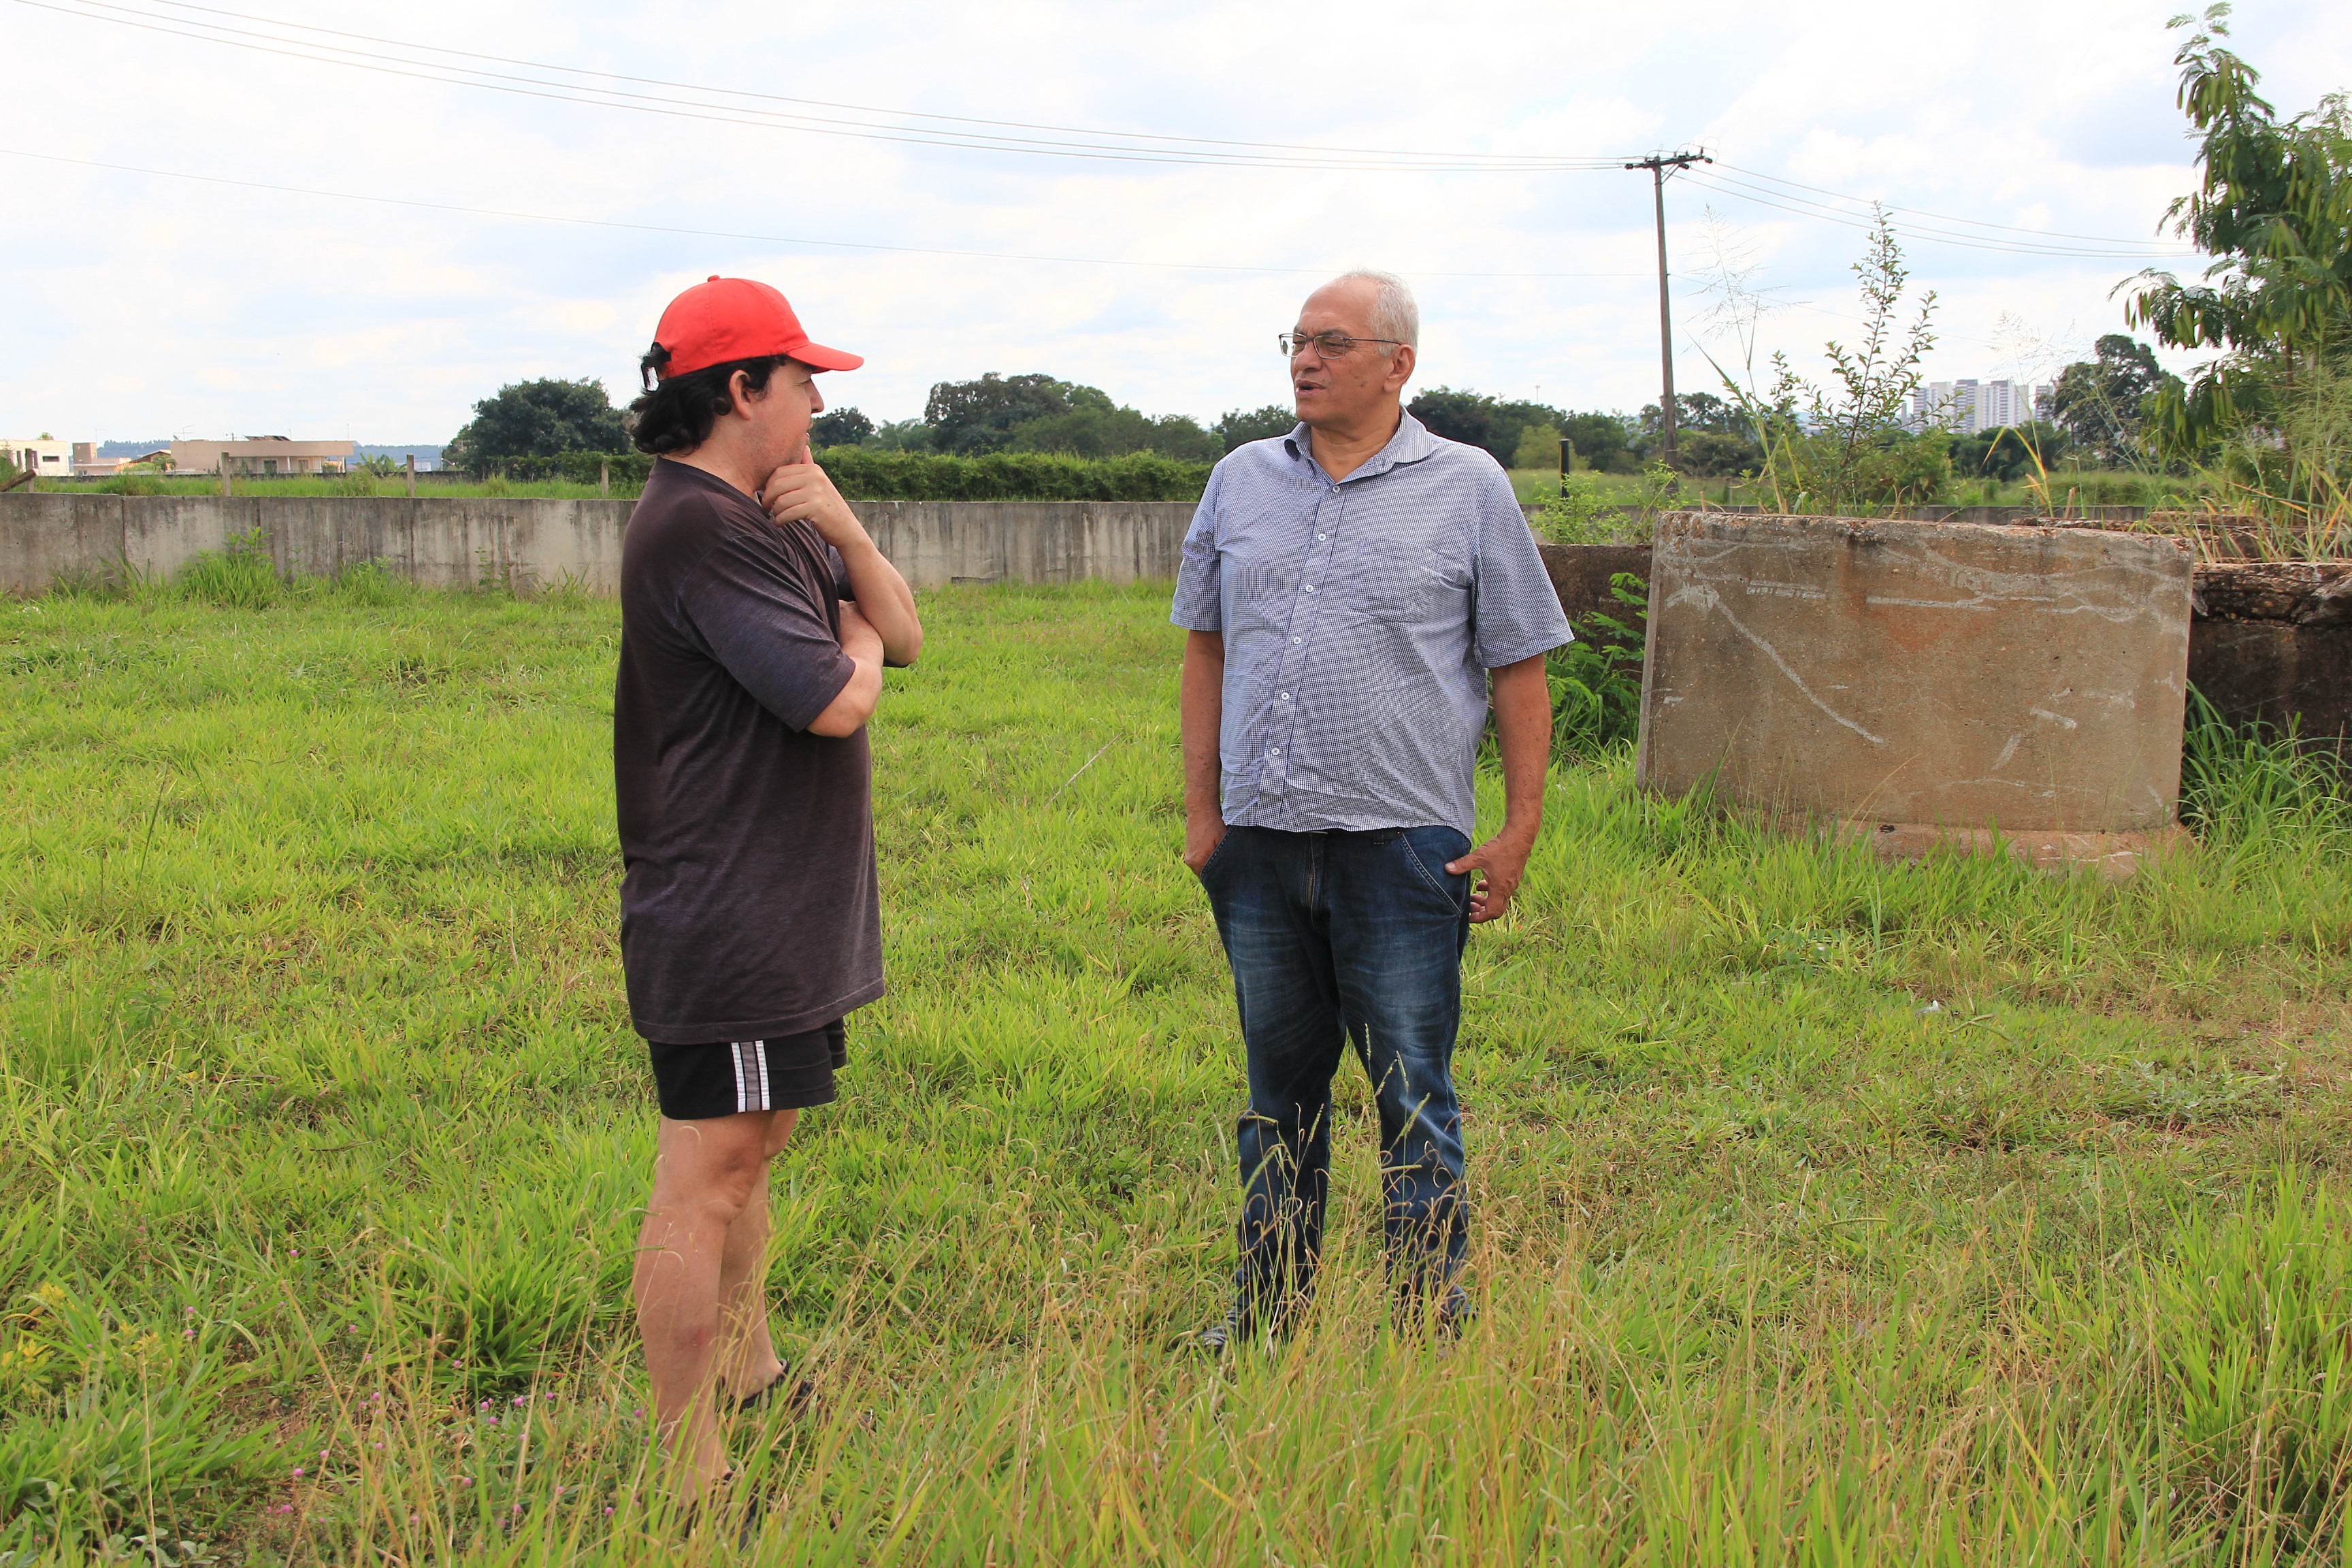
853,538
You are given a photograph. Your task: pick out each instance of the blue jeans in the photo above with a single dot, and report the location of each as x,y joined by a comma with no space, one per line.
1354,936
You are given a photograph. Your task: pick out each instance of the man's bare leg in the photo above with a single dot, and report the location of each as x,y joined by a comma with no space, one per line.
706,1173
748,1362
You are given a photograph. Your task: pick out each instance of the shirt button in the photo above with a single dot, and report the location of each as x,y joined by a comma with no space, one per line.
1298,639
1285,697
1335,490
1322,536
1310,588
1274,750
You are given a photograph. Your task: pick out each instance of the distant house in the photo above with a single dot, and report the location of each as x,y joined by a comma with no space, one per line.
261,455
43,457
89,465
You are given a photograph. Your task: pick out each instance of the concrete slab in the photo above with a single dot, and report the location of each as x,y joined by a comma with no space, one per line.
1922,681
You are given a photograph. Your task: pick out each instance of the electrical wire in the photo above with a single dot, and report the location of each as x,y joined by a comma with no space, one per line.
1940,217
1595,163
760,238
1801,207
187,20
1106,146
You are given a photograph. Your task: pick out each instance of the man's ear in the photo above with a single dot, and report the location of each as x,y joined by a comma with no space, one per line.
1400,366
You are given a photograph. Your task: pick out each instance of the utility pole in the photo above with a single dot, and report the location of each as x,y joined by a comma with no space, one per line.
1658,163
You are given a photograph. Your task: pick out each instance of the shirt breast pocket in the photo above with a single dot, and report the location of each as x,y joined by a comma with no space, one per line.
1394,581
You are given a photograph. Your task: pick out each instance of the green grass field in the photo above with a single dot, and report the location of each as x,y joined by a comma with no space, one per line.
1827,1213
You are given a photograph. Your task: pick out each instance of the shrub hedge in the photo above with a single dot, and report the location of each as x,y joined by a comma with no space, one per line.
866,475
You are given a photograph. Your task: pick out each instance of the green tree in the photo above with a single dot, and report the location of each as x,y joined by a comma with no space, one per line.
1240,427
973,416
1476,419
840,427
1538,448
1458,416
1601,442
1848,449
2274,209
539,419
2103,403
1094,430
903,435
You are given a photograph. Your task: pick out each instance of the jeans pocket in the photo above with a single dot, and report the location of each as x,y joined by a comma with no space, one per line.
1429,850
1215,855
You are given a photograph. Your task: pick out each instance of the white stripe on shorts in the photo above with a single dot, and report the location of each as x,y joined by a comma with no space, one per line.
750,1058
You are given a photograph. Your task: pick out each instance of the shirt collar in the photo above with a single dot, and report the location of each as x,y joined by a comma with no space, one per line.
1410,444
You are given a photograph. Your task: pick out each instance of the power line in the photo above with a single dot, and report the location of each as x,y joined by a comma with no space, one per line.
1512,159
1802,207
726,234
1106,146
1940,217
1092,145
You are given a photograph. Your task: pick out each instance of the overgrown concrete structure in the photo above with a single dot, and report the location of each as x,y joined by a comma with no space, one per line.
529,541
1923,682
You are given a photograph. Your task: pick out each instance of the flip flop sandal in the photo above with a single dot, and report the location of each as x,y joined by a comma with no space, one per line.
794,1392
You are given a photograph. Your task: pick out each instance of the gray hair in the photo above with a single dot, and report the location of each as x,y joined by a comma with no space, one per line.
1394,315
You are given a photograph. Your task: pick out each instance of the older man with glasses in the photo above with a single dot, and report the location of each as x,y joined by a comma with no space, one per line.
1351,589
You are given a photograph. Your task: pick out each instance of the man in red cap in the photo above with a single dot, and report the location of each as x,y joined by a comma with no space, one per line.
756,616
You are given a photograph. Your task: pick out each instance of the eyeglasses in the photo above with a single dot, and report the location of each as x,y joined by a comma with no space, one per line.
1327,345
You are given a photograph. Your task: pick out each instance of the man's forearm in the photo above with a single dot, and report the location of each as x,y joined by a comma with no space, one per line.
1523,730
1200,703
884,598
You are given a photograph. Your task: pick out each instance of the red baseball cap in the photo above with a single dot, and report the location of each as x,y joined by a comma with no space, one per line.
736,318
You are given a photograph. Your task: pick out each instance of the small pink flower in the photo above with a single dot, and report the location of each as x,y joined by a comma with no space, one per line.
298,1469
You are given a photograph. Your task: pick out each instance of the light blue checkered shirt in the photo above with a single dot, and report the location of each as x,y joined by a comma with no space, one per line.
1360,620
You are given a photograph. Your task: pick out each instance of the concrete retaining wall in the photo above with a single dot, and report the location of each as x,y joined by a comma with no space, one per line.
458,542
1920,679
2271,641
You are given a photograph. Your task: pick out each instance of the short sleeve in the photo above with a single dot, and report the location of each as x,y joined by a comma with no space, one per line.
1200,603
1516,612
761,621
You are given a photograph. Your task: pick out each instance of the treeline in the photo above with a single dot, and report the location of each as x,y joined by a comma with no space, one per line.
866,474
1032,415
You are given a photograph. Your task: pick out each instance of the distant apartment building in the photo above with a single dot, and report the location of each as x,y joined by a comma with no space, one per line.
1972,405
262,455
39,455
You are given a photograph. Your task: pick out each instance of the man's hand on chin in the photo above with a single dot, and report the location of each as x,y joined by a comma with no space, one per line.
800,490
1503,860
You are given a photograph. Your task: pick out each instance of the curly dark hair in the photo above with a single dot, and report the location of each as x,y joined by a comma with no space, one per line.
676,415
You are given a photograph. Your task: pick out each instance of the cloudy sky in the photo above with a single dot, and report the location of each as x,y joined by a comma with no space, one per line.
236,286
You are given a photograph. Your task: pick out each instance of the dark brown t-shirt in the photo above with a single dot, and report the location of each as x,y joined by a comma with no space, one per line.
749,909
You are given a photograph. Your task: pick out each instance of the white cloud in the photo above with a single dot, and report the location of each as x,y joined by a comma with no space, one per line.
141,306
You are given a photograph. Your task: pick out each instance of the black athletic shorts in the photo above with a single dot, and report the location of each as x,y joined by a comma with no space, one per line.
695,1083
